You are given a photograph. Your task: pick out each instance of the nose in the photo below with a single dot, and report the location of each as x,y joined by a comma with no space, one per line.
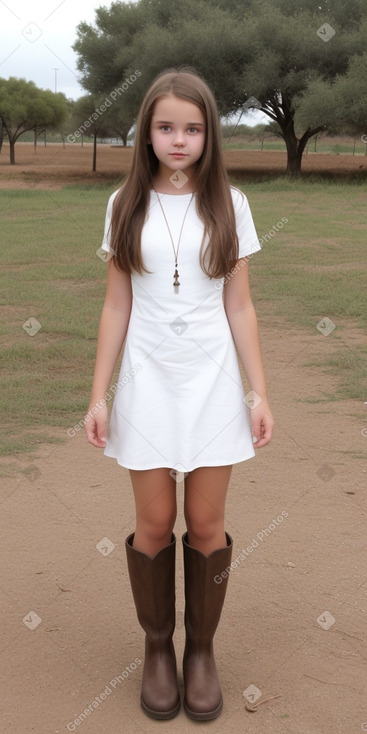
179,138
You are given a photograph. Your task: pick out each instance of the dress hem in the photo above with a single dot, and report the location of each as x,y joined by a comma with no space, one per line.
169,466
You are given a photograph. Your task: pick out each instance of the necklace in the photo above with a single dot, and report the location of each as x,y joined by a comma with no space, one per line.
176,275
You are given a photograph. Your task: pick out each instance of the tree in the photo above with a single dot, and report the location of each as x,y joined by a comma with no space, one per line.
106,61
90,116
262,53
342,105
151,35
120,120
23,107
295,60
67,126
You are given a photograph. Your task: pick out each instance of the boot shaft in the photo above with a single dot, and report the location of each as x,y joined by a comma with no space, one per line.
204,596
153,587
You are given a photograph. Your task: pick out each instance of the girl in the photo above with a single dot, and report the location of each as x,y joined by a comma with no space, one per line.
179,239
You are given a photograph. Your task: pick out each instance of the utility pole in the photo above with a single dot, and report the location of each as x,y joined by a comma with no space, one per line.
56,70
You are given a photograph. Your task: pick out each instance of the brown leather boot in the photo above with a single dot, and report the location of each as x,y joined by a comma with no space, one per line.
204,601
153,586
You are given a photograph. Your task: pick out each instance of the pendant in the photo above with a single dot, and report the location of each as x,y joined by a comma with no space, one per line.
176,281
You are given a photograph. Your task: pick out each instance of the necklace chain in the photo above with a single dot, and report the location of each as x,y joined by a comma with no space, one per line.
176,274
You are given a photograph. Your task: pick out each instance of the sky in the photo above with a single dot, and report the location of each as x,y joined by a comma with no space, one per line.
36,37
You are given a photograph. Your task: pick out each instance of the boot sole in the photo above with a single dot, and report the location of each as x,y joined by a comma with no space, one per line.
160,715
203,715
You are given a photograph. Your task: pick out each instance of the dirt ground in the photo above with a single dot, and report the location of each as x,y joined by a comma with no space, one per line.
54,166
294,622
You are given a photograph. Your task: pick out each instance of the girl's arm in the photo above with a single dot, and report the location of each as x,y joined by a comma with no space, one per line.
243,324
111,334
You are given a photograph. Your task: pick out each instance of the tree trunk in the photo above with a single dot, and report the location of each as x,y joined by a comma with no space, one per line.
282,113
122,132
294,157
94,153
12,151
295,147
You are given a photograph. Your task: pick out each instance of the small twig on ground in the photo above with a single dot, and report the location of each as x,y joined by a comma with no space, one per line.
254,708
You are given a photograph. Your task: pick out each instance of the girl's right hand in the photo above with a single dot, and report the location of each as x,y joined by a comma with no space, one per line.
96,427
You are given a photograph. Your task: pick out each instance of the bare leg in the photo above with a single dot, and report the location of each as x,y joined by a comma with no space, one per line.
205,497
156,508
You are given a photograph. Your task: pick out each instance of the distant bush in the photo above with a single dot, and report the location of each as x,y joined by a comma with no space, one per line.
252,132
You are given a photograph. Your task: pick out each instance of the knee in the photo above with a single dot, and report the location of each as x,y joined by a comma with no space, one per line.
204,527
156,527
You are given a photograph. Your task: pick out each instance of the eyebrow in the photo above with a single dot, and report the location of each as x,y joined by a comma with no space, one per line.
168,122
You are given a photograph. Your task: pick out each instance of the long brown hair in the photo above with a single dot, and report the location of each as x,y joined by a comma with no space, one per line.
213,196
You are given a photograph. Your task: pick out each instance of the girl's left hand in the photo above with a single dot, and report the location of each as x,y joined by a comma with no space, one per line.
262,424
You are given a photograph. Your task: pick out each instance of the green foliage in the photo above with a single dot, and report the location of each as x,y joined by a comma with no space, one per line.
256,131
351,95
87,117
348,14
105,50
23,106
162,34
319,102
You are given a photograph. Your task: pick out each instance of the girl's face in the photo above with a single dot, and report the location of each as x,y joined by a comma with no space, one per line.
177,134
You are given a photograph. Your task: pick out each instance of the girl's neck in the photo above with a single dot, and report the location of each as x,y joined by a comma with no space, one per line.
174,182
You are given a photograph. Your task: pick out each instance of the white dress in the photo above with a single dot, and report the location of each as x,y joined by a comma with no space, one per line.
179,401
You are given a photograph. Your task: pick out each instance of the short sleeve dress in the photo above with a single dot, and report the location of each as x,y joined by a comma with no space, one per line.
179,400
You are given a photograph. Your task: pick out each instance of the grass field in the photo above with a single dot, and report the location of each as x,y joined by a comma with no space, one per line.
325,145
314,266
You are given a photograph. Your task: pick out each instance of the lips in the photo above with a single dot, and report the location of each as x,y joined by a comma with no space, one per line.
178,155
